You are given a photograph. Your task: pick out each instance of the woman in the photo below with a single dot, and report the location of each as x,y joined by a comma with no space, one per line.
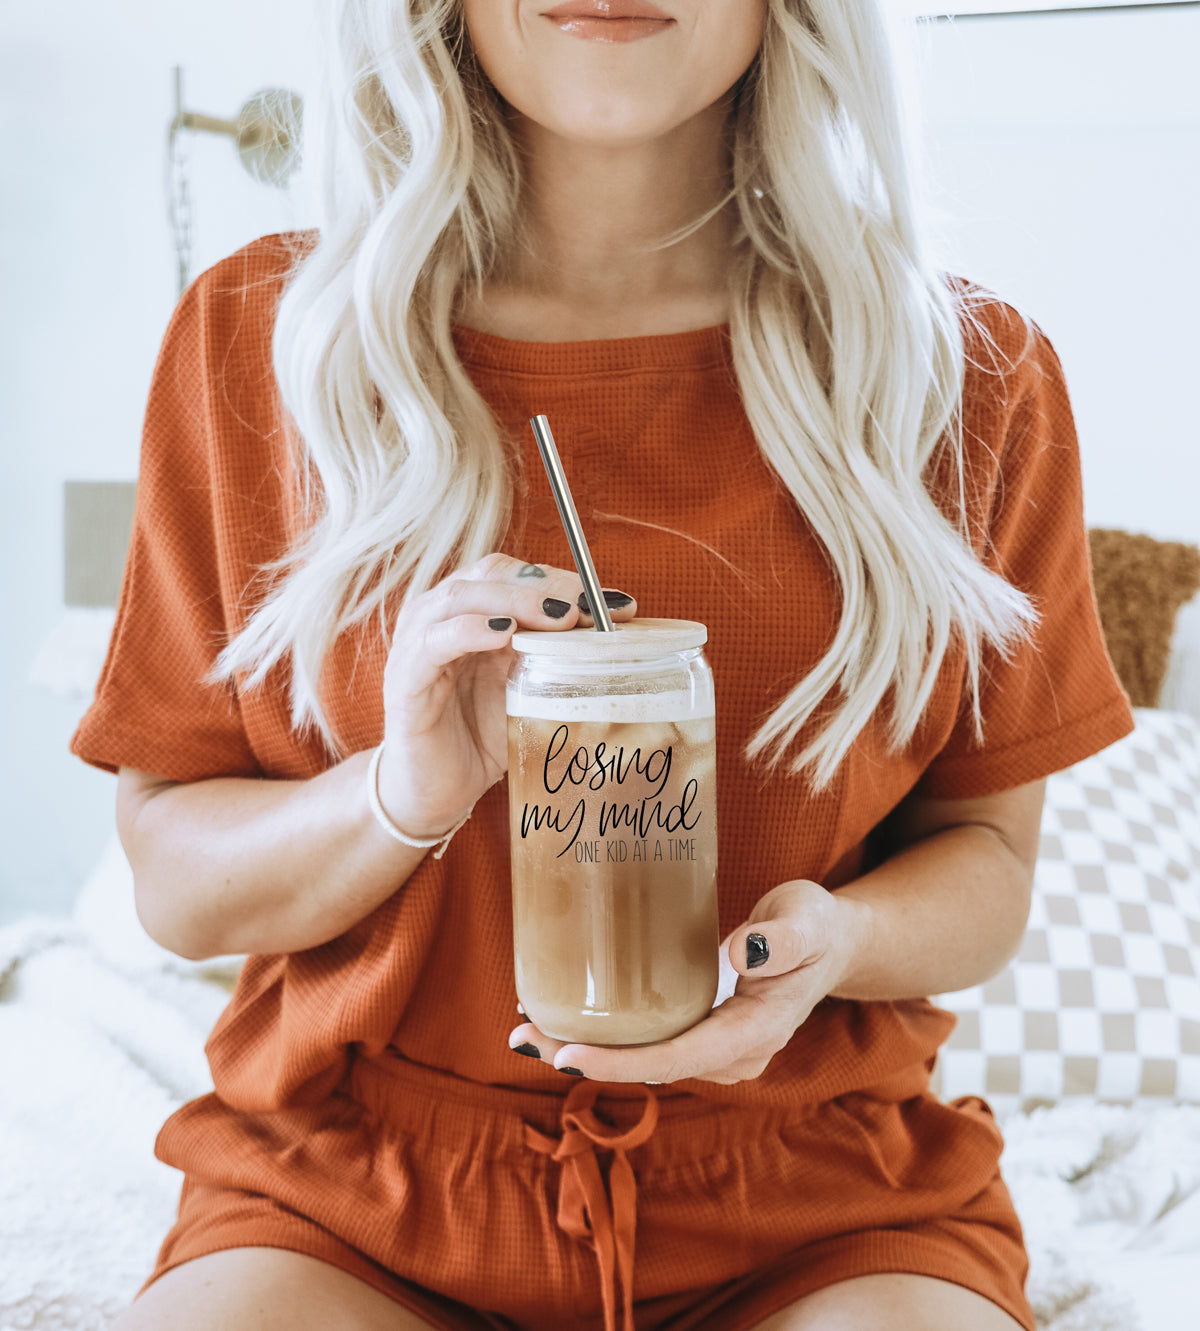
684,232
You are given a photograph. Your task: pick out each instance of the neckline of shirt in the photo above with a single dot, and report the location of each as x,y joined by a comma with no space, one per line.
694,349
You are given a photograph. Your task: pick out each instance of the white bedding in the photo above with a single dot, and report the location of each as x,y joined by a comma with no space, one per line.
98,1049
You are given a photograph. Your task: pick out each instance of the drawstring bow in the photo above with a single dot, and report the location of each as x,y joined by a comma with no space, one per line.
587,1210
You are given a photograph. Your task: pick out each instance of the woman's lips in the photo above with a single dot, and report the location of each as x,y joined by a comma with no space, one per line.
594,29
607,9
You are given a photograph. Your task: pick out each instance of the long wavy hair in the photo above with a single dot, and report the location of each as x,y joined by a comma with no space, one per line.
847,344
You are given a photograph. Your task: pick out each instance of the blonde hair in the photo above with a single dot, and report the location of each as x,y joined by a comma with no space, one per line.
847,346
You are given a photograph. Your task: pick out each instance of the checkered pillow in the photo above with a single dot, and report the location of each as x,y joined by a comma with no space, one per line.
1103,999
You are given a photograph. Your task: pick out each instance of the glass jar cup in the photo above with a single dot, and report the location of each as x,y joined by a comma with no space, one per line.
612,803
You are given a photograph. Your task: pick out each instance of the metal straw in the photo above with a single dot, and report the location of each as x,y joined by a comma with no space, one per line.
570,521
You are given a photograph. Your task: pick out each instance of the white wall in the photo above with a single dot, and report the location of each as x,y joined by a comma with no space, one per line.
87,283
1065,150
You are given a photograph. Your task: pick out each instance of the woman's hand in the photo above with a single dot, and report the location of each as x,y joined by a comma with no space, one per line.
445,729
798,943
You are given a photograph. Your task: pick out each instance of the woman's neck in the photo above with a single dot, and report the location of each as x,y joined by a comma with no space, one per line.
590,215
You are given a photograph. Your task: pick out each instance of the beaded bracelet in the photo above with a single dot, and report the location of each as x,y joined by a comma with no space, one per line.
381,817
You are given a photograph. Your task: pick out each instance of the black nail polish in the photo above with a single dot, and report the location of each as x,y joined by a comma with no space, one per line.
529,1050
614,601
574,1072
500,625
757,950
530,571
555,608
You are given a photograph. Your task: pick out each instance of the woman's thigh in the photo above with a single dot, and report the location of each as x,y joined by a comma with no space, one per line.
263,1289
916,1303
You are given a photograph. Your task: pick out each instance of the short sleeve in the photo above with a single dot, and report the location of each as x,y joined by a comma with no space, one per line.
1058,699
155,709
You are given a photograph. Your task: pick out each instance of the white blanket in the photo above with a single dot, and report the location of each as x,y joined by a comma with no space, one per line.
95,1054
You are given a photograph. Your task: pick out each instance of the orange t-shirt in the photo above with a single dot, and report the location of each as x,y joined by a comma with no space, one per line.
682,511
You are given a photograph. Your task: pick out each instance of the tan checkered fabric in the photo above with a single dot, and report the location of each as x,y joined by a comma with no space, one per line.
1103,999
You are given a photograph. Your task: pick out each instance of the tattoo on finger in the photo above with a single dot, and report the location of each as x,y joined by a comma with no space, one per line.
530,571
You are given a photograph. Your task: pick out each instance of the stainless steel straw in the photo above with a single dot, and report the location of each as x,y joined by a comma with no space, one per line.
570,521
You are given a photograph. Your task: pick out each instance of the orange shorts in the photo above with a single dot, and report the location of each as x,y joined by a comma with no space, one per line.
480,1207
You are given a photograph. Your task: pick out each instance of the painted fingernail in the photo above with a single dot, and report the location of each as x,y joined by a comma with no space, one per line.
530,571
757,950
555,608
529,1050
500,625
614,601
573,1072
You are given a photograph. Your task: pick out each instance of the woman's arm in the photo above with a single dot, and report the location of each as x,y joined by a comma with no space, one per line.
230,865
946,910
233,865
948,907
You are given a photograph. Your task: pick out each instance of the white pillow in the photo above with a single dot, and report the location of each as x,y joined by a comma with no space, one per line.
1181,685
1103,999
105,910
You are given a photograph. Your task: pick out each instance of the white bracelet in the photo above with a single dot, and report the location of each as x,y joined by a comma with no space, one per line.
441,842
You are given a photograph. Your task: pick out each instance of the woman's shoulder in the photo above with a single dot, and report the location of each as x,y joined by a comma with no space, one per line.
212,397
1005,352
1014,391
1014,440
218,342
252,278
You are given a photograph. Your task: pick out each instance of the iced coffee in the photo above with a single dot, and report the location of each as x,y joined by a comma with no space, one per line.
612,792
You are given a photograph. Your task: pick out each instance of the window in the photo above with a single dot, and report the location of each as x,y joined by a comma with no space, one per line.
964,7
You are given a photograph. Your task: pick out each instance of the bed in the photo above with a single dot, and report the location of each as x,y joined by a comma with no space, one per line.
1087,1046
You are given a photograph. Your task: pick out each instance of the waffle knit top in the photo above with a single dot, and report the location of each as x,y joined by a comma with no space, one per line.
680,510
